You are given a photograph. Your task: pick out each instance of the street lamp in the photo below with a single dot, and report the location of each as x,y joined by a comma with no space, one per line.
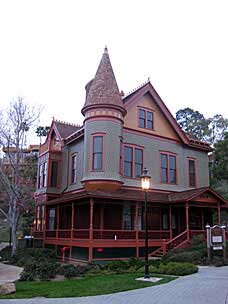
145,183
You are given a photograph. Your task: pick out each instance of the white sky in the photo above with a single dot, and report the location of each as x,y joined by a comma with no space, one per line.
49,50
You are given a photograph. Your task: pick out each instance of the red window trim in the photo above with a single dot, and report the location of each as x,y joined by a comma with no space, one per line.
75,154
102,134
193,159
146,110
133,159
168,154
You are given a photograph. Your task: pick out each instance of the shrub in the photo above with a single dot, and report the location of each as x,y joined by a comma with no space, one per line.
42,270
152,269
117,266
71,271
178,269
135,263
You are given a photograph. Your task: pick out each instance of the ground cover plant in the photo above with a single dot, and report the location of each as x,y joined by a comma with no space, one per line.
85,286
196,253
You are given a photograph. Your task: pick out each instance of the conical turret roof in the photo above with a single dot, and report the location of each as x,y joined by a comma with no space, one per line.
103,89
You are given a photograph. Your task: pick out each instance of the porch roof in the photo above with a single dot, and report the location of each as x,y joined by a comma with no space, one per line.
138,195
190,195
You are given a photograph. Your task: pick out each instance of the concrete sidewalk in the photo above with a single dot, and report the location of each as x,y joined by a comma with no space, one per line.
208,286
9,273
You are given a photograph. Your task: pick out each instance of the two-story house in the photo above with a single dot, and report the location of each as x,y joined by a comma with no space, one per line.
89,197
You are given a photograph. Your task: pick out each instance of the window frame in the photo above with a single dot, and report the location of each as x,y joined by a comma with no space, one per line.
195,174
133,147
44,174
51,170
168,155
73,170
94,135
146,118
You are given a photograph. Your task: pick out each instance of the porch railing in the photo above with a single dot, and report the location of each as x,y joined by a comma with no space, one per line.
198,232
175,242
106,234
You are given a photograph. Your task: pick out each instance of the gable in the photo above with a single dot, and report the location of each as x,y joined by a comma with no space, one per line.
162,126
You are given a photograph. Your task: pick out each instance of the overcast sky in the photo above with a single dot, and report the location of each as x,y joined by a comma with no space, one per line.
50,49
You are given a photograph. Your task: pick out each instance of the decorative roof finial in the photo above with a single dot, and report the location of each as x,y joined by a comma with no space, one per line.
105,50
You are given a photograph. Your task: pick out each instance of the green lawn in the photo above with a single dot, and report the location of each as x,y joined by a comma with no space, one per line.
86,286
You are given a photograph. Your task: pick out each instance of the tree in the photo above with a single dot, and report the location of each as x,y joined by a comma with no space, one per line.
194,123
42,131
218,128
220,168
15,123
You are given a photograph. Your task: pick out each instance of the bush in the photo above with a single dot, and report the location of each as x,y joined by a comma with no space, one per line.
152,269
178,269
71,271
42,270
117,266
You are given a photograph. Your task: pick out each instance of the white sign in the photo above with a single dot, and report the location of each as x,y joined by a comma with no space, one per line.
217,248
217,239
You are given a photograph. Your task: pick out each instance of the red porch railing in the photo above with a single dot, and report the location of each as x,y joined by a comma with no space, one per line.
114,234
38,234
155,234
107,234
175,242
81,234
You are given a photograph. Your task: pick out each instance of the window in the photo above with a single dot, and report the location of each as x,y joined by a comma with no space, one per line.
97,153
127,217
51,219
40,176
73,169
45,174
133,161
192,172
146,119
54,173
142,118
168,168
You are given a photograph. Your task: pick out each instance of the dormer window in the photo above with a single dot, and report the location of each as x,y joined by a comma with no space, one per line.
146,119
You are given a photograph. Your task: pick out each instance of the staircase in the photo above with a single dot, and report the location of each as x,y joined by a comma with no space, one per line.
177,242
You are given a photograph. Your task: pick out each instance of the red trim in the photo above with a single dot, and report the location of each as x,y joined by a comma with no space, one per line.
168,167
93,135
133,146
104,117
148,88
195,178
149,135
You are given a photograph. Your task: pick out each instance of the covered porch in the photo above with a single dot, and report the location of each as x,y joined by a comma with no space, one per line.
104,225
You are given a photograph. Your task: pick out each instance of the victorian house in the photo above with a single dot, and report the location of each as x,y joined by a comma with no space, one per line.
89,201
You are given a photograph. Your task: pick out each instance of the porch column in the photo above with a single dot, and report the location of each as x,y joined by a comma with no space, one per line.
45,220
187,219
170,223
101,227
137,229
219,214
57,222
202,219
72,221
91,230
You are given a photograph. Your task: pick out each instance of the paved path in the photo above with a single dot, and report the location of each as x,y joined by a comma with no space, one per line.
9,273
209,286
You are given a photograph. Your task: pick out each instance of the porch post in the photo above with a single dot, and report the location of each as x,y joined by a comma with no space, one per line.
187,219
91,230
72,221
57,222
137,229
219,214
170,223
202,219
45,221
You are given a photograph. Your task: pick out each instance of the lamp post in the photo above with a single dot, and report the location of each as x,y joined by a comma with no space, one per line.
145,183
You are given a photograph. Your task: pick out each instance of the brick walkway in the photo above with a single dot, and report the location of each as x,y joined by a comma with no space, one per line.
209,286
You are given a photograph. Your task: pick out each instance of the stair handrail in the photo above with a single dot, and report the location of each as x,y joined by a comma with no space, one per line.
178,237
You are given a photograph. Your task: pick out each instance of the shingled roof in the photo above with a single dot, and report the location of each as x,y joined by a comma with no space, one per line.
103,89
65,129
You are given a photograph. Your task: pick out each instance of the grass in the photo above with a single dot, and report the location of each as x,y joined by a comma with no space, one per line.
86,286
